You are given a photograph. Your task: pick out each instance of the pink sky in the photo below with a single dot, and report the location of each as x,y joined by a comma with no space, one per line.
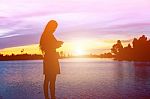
22,21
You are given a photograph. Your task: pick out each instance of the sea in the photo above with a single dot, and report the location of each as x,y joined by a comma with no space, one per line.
80,78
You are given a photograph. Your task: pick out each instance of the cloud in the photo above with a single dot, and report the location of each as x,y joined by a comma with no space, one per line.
97,19
19,40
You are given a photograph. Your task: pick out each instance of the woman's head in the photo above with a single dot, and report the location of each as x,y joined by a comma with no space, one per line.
51,26
49,29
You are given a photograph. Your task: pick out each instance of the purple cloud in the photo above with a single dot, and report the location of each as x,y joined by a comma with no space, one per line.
98,19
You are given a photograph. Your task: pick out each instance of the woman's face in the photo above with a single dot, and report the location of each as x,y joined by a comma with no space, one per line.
52,25
53,28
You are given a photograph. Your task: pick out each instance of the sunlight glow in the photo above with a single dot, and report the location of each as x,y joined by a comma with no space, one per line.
79,52
77,47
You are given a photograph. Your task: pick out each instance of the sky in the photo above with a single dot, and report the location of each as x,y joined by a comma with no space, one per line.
103,21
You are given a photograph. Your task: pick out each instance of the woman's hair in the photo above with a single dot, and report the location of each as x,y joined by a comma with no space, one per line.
50,27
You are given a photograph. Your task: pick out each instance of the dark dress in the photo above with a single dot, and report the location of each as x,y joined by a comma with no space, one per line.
50,61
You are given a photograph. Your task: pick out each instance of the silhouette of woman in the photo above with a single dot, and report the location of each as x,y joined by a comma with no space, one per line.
48,46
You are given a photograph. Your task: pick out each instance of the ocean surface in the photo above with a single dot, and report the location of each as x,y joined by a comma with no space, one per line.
80,78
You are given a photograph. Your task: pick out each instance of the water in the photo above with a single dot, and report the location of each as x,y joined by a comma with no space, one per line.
80,78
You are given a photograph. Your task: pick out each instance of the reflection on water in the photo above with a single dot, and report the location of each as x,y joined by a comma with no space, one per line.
80,78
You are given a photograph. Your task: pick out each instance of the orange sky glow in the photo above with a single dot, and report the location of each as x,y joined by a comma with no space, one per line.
80,47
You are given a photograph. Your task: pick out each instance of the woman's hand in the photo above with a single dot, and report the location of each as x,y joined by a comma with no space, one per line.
61,42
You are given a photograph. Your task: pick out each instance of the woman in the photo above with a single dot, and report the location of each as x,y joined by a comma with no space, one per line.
48,46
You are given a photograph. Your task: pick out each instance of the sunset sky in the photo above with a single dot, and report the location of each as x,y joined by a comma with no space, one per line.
84,25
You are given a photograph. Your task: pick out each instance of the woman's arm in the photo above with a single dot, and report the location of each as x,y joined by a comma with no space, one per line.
57,43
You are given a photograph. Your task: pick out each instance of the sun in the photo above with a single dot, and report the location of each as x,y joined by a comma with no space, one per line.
79,47
82,46
79,52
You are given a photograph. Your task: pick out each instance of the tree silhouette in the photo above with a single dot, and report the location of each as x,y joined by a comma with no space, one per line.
117,47
140,50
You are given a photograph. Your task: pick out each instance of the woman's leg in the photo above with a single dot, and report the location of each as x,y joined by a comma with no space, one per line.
52,85
46,83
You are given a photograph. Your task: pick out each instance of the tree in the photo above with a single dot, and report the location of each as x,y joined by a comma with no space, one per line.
117,47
